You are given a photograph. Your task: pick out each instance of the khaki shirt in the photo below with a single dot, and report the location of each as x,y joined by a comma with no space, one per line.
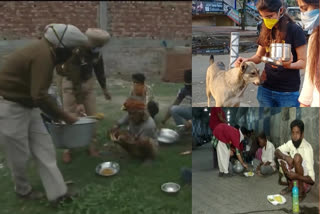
306,152
26,76
80,67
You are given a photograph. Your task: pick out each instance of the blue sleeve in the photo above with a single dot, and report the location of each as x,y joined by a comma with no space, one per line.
181,94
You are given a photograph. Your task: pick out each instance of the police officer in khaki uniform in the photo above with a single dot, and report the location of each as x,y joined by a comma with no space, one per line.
24,81
78,80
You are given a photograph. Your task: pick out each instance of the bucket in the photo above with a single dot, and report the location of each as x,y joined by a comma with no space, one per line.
66,136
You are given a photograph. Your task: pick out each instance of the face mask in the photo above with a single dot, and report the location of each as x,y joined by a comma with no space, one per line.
310,19
270,23
297,143
62,54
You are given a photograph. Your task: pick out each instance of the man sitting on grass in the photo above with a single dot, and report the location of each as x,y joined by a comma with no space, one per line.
140,139
179,110
296,160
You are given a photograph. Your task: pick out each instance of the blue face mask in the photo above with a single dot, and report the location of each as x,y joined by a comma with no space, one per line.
310,19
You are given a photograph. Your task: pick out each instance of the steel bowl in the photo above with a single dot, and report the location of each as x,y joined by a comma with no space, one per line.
67,136
168,136
180,129
271,61
286,54
170,187
108,169
237,167
280,51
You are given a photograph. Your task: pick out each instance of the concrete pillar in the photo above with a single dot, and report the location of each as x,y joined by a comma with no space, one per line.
103,24
102,15
234,48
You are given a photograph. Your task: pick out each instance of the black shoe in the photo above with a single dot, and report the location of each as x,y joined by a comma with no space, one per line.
66,198
228,175
221,174
32,195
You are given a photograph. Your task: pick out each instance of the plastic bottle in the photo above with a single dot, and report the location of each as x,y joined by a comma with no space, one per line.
295,198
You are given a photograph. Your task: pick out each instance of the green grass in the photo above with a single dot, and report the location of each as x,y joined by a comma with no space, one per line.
135,189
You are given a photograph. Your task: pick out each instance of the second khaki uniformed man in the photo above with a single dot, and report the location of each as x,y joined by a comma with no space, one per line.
78,81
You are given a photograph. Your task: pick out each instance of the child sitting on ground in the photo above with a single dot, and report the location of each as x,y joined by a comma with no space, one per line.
140,89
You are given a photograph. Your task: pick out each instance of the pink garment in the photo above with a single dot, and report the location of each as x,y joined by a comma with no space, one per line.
259,154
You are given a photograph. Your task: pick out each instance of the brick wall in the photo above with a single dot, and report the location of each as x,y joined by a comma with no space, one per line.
155,20
28,19
138,30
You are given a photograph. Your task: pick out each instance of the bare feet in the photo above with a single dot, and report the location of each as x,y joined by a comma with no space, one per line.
66,157
259,173
285,191
93,152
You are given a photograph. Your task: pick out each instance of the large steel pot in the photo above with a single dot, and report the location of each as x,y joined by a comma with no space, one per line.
67,136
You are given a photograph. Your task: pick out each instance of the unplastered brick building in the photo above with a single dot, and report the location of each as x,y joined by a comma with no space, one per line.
143,32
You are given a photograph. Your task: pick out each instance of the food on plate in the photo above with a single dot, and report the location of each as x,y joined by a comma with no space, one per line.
278,198
107,171
270,199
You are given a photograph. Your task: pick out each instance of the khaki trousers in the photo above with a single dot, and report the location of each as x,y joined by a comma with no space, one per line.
69,100
24,135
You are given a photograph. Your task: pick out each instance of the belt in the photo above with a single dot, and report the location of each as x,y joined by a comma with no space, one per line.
24,104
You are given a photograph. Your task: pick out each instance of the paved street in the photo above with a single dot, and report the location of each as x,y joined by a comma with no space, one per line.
238,194
200,64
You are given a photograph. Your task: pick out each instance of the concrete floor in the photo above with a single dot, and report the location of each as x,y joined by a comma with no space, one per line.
200,64
238,194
